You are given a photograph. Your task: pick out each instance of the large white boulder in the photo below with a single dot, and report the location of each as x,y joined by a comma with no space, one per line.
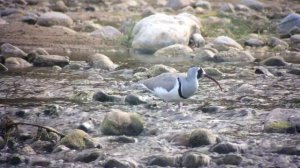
161,30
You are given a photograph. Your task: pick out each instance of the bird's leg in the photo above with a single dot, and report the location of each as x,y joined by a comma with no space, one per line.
178,106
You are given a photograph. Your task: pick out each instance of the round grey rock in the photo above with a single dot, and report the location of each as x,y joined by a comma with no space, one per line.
253,4
106,32
295,38
160,30
16,63
178,4
55,18
222,43
254,42
233,55
101,61
8,50
122,123
289,25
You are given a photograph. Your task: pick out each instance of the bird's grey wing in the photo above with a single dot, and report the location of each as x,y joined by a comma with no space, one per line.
165,80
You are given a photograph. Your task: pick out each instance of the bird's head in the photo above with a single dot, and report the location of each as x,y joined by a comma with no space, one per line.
201,73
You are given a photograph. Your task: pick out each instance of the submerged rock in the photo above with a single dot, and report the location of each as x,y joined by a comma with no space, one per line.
55,18
101,61
160,30
289,25
122,123
8,50
78,139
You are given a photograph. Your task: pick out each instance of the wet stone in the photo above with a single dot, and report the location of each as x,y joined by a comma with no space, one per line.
263,70
274,61
229,147
124,139
295,71
115,163
52,110
254,42
181,139
25,136
3,68
22,113
230,159
87,126
164,161
289,150
49,60
194,159
89,155
30,18
201,137
27,150
133,100
2,143
8,50
212,109
42,162
103,97
42,146
78,139
15,159
122,123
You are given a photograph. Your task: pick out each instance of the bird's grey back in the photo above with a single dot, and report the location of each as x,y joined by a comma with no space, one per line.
165,80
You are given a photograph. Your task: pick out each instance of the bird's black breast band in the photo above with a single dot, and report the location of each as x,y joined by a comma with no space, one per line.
179,90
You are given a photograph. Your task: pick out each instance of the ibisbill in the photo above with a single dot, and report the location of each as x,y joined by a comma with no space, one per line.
175,87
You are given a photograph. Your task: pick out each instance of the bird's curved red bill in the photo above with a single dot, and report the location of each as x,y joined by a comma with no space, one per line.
211,78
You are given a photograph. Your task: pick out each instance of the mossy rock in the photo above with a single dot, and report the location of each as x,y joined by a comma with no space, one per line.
201,137
278,127
78,139
122,123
